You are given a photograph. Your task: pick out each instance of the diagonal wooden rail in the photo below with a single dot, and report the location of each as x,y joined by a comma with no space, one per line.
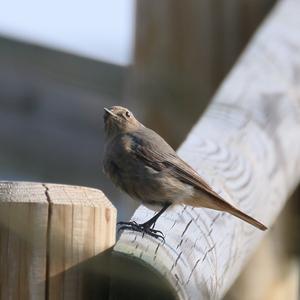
247,146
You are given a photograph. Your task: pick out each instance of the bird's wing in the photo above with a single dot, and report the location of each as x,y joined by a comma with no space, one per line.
170,162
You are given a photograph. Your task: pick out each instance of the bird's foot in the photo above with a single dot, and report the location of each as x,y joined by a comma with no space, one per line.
145,228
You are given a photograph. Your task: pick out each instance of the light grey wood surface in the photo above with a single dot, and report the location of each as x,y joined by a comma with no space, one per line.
247,147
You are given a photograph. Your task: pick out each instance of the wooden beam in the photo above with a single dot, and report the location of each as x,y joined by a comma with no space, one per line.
247,146
46,231
183,50
25,59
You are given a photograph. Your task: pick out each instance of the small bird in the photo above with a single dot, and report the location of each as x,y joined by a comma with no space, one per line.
144,165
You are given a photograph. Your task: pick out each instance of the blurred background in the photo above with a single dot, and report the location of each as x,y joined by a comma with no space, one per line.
61,62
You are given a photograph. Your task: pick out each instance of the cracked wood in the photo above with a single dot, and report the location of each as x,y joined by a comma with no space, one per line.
46,231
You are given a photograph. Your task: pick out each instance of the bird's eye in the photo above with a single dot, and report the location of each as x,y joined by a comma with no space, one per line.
127,114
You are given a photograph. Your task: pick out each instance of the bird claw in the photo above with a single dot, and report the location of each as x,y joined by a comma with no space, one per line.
143,228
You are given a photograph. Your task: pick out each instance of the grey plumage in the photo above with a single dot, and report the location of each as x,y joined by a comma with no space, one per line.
145,166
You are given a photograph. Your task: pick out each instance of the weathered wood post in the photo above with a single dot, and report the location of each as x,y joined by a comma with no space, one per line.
45,231
247,146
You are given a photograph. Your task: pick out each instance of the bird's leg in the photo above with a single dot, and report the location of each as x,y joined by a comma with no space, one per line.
147,227
152,221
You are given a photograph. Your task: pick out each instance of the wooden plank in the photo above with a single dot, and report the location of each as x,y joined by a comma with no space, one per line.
75,235
41,62
247,147
23,236
46,232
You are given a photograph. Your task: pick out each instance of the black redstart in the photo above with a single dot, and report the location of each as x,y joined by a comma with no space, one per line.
145,166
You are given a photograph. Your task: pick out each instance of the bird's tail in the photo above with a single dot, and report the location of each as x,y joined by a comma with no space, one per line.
237,213
216,202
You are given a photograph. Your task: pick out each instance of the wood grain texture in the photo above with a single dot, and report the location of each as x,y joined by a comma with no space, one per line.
247,146
46,230
183,50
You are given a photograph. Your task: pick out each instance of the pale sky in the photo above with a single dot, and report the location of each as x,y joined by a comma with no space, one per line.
93,28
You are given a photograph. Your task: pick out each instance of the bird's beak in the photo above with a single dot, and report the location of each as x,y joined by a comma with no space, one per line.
110,112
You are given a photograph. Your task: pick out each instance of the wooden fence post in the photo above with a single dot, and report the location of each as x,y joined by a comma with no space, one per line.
46,230
247,146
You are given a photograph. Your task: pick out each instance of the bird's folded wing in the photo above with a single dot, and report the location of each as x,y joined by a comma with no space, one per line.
170,162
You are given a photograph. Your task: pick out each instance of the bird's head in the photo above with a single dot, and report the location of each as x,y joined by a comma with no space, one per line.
118,119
